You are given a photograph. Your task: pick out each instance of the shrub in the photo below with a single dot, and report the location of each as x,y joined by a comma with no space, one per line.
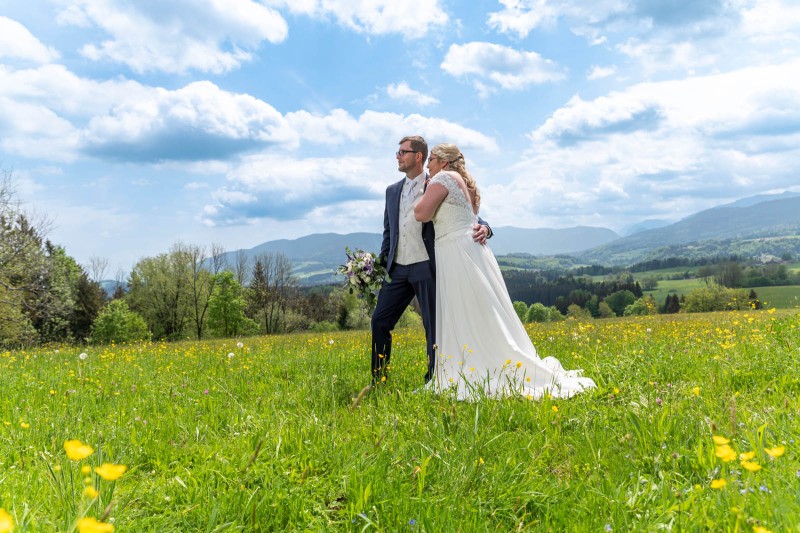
537,312
117,323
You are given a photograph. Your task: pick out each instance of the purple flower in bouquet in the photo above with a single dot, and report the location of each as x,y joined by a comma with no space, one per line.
364,275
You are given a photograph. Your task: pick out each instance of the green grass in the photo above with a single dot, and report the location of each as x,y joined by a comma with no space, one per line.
787,297
675,286
270,440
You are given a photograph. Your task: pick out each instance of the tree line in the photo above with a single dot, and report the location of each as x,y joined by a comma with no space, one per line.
190,291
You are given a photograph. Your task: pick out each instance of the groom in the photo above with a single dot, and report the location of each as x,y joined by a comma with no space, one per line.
408,255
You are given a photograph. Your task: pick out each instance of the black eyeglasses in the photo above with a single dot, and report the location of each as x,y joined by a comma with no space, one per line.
401,153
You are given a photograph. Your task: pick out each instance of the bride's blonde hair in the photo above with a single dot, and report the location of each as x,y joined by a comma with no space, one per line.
452,155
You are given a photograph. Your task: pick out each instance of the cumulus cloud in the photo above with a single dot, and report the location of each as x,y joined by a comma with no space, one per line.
503,66
17,42
401,91
197,122
520,17
176,36
375,17
33,131
672,146
62,91
659,37
283,188
377,128
597,72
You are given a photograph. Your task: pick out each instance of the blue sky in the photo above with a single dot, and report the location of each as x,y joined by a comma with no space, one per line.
137,124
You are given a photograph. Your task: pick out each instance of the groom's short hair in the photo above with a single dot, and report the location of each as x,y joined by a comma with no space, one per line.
418,144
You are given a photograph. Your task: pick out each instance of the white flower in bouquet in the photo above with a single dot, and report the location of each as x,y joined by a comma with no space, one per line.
364,274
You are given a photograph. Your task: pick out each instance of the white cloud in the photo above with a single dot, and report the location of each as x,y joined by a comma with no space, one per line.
383,129
520,17
404,93
17,42
56,88
276,187
671,147
34,131
375,17
176,36
199,121
506,67
597,72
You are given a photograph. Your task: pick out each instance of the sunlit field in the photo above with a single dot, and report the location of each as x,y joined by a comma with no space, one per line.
693,427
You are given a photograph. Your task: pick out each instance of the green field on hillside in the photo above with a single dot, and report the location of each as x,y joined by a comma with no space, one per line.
693,427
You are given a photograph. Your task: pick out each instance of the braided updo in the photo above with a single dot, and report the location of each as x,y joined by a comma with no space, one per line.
455,159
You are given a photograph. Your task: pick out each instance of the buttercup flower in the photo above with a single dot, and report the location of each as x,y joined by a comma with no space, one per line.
746,456
777,451
76,450
752,466
725,453
760,529
92,525
90,492
720,440
110,472
6,522
718,483
696,391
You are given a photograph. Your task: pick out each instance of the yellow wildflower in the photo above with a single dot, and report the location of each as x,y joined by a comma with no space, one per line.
725,453
90,492
616,390
110,472
86,470
720,440
752,466
746,456
508,361
696,391
6,522
24,425
777,451
760,529
555,408
519,364
76,450
91,525
718,483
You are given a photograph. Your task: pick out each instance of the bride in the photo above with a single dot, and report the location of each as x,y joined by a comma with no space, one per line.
483,348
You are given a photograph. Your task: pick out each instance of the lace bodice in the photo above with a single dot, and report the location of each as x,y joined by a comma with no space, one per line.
455,213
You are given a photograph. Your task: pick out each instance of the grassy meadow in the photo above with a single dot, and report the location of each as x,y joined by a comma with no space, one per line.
271,435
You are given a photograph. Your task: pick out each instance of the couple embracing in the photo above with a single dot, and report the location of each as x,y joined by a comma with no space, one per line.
434,248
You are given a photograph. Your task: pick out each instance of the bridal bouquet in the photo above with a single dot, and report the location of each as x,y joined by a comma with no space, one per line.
364,275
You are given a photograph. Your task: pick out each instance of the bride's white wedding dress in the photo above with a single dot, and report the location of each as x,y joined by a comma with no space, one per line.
482,346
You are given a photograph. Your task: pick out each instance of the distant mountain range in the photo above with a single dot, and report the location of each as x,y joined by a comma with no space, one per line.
761,224
765,226
316,257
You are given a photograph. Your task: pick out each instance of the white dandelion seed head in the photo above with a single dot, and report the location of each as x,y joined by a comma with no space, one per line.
240,345
330,341
83,356
230,355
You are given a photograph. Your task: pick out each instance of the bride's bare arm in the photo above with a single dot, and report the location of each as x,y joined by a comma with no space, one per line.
430,202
